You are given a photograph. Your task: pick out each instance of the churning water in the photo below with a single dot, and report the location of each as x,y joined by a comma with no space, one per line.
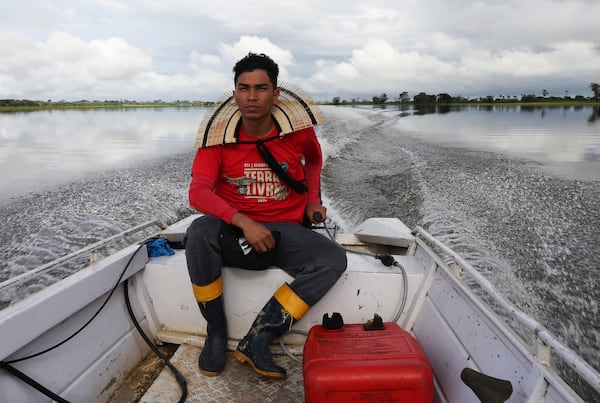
526,216
533,233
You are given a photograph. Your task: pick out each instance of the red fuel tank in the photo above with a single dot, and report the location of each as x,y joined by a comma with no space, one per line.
351,364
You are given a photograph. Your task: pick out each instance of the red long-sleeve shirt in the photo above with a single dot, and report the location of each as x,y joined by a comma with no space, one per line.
234,177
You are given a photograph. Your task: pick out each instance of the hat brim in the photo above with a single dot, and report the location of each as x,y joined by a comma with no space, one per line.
293,111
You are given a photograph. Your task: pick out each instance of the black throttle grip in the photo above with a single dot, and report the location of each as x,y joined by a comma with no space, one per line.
317,216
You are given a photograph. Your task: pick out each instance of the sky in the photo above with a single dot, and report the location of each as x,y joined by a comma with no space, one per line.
185,49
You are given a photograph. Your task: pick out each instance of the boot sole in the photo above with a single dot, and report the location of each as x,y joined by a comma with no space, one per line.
210,373
244,359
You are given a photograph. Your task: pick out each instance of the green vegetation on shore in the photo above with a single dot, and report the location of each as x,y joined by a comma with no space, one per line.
15,105
403,99
24,105
423,98
562,102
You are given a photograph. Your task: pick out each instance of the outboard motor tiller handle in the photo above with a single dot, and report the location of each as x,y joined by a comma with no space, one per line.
317,216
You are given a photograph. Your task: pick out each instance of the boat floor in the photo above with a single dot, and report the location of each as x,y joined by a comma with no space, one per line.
237,383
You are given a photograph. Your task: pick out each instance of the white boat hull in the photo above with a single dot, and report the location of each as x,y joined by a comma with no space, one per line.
455,329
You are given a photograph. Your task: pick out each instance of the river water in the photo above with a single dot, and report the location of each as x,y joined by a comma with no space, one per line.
516,191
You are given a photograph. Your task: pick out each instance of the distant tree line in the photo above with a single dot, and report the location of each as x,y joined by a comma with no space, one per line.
26,104
18,102
443,98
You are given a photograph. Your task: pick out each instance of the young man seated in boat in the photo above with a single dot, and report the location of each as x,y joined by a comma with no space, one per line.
253,219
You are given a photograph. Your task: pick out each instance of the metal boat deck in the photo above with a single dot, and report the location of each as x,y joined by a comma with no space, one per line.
236,384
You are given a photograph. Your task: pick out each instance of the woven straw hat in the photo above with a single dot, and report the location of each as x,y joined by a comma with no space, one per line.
294,110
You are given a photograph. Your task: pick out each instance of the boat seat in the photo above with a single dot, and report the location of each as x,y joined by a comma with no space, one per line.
487,388
358,294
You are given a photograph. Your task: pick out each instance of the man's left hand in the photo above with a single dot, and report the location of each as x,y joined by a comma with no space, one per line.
313,208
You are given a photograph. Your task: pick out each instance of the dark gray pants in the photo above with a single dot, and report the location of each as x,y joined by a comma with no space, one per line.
312,259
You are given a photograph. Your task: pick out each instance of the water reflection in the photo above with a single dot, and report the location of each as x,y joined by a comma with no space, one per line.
591,155
58,145
428,109
421,110
595,114
551,135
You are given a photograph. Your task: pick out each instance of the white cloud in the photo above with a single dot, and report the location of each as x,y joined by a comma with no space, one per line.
379,66
115,59
65,63
18,53
255,44
144,49
197,59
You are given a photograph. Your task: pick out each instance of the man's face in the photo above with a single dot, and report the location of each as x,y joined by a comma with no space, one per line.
254,94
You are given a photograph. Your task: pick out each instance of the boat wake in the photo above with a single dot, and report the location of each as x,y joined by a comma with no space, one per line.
534,236
42,226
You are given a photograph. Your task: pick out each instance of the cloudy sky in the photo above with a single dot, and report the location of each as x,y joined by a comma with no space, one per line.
185,49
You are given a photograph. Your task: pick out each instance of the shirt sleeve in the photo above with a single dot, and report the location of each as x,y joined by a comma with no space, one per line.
202,196
313,163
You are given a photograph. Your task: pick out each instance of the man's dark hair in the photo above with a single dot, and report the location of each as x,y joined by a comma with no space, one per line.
256,62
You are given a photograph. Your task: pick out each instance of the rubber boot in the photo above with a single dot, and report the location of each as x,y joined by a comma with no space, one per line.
212,358
273,321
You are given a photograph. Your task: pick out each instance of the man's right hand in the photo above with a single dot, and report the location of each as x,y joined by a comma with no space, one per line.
256,234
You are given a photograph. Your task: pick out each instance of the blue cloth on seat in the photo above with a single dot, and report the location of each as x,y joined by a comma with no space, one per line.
159,247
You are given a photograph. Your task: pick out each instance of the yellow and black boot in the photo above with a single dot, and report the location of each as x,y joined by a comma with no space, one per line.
212,358
273,321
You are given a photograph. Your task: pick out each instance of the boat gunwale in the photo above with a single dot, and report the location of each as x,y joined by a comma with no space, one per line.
23,317
545,341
